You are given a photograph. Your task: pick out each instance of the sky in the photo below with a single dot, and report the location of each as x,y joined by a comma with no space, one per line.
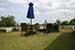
49,10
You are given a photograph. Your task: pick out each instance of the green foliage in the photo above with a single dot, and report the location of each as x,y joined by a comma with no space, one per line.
64,23
72,22
7,21
58,22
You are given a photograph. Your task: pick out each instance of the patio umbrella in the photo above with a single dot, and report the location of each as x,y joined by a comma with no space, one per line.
30,13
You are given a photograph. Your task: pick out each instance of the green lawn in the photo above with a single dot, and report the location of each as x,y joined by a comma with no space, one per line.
13,41
39,41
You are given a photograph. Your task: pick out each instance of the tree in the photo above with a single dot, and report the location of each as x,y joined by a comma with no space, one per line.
58,22
7,21
72,22
2,22
64,23
10,21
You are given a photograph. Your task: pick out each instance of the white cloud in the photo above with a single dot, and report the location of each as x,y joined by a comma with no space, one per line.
18,1
44,9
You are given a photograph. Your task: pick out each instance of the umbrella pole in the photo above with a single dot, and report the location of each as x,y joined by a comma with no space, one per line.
31,21
31,25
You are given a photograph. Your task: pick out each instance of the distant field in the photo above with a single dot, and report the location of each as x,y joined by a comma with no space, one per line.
13,41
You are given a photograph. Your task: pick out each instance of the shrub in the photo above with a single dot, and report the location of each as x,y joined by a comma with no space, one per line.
2,30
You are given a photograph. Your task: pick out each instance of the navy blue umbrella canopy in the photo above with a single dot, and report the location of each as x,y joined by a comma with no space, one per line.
30,13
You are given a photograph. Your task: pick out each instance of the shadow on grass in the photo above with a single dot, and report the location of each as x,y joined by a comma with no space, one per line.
28,34
64,42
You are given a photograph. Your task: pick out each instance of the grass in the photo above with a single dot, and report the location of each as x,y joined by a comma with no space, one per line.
13,41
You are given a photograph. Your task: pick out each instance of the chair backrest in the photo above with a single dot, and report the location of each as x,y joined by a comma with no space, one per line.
49,27
23,27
